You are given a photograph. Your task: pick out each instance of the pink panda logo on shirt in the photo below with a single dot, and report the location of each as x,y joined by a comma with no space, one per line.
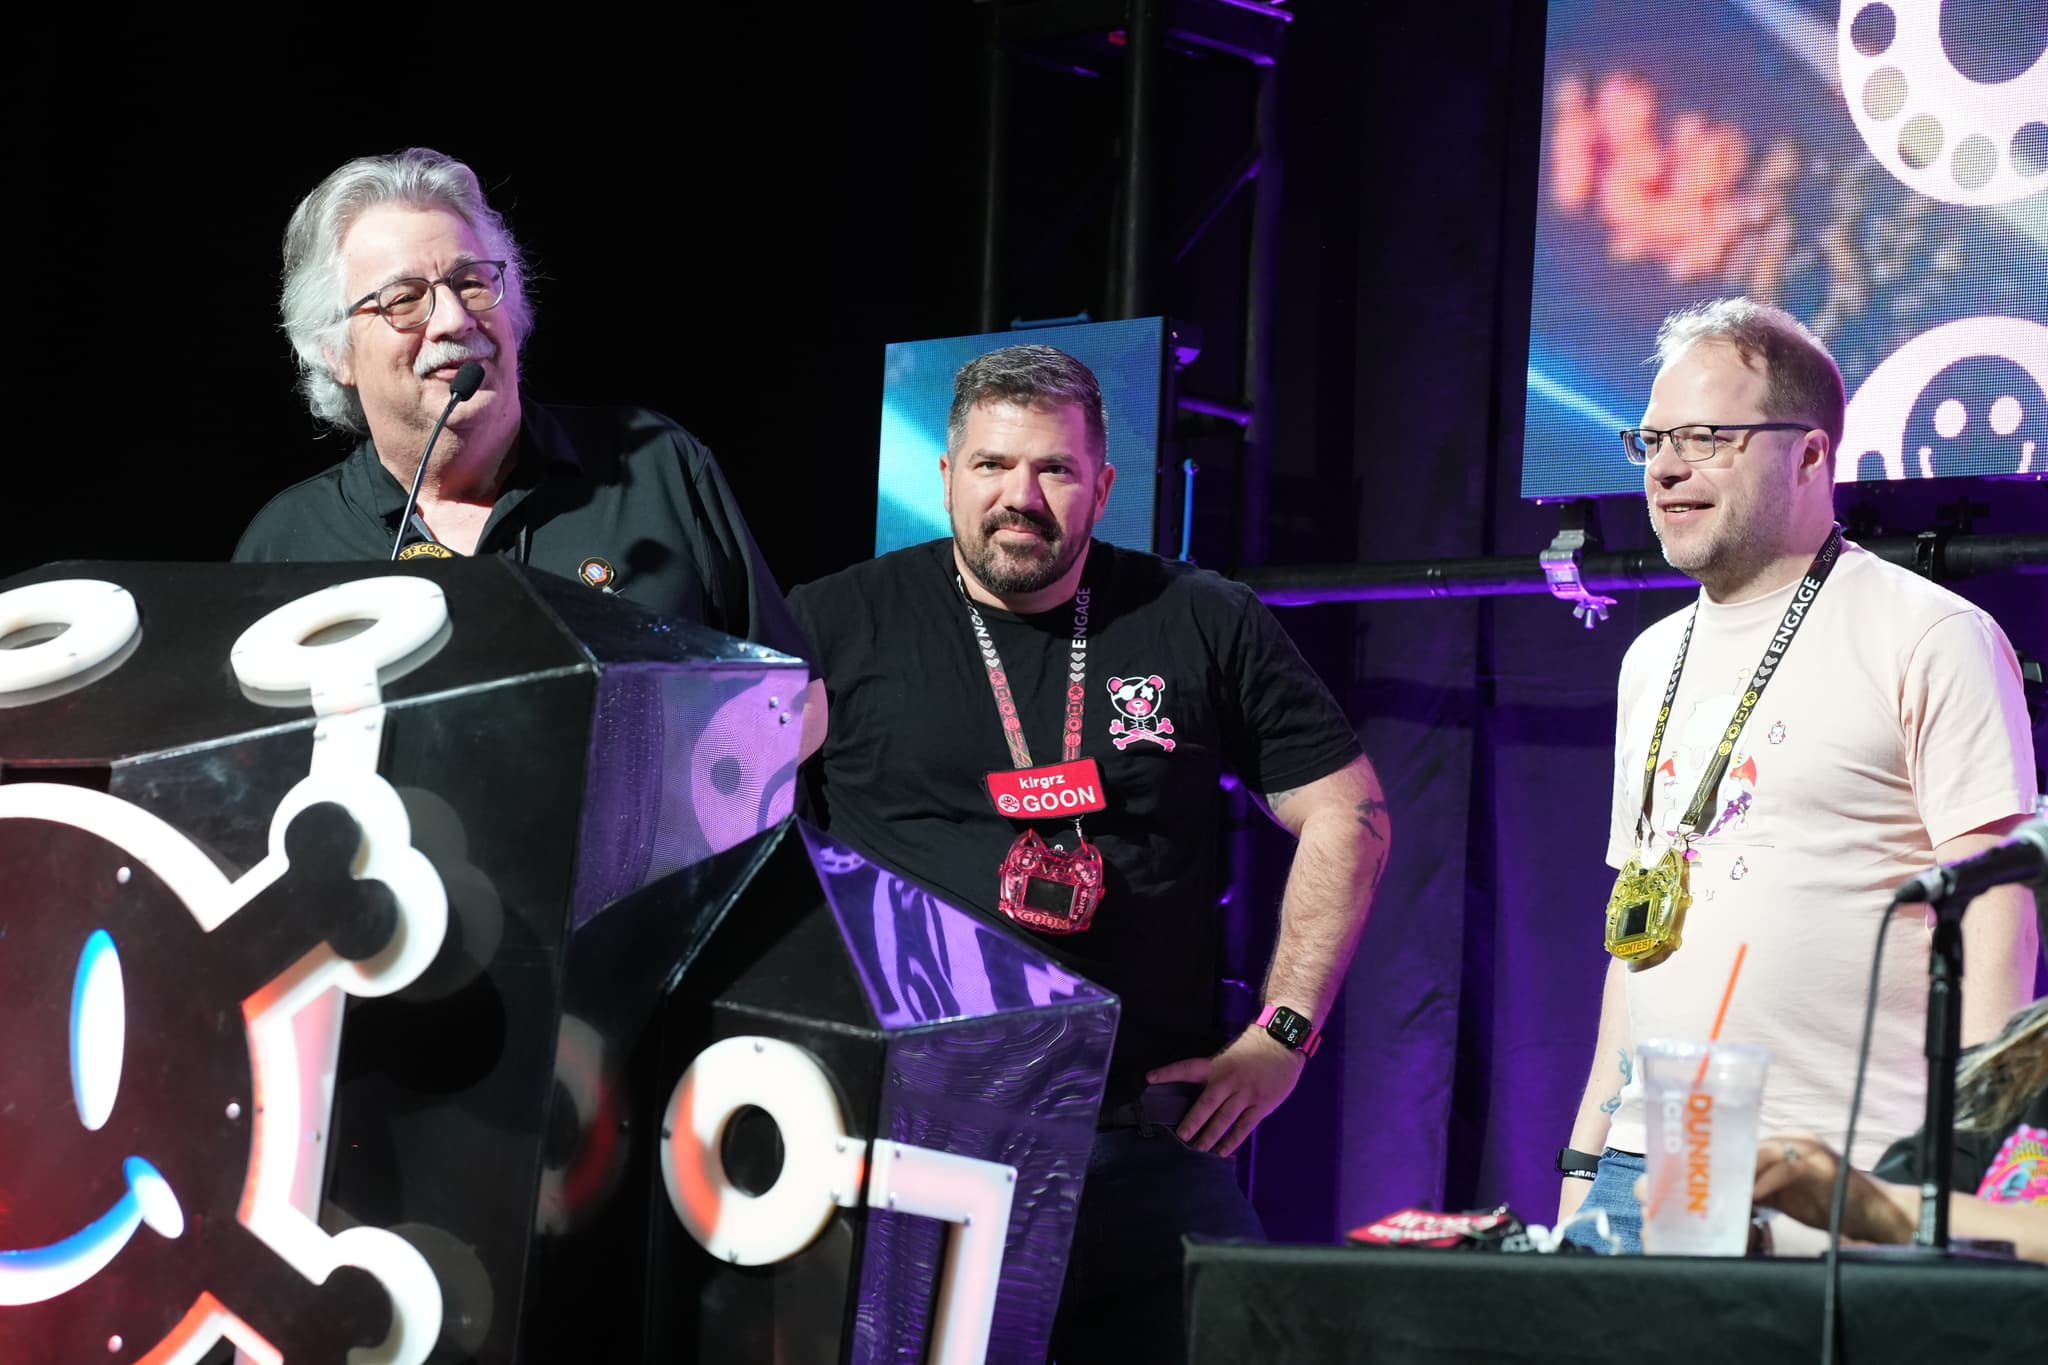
1138,714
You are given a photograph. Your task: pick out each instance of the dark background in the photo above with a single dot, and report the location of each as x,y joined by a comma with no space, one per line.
730,209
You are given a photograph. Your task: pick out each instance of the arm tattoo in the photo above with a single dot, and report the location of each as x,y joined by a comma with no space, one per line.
1275,800
1609,1106
1372,816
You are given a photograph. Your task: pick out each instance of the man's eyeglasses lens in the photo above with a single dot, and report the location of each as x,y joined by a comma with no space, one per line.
407,304
1691,444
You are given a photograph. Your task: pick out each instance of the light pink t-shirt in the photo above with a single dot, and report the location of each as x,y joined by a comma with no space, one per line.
1895,721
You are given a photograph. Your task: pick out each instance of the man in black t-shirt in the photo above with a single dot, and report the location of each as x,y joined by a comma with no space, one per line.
397,273
1020,666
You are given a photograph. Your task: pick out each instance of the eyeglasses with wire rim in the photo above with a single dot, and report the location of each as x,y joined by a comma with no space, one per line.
408,304
1696,442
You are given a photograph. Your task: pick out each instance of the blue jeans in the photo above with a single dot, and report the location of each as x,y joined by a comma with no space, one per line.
1614,1189
1121,1303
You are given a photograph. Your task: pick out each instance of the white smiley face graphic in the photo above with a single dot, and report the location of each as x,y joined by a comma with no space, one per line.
99,1019
1882,407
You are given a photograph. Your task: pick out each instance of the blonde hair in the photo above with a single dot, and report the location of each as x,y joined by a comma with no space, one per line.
1802,381
1996,1082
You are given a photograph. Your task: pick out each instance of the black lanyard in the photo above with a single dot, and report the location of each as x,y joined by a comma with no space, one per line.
999,681
1774,654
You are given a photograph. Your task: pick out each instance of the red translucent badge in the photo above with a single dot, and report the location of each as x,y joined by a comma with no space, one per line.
1049,888
1054,792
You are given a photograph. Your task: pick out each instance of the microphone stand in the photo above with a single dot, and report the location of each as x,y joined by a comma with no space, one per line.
1937,1155
412,498
1937,1142
1944,1033
467,379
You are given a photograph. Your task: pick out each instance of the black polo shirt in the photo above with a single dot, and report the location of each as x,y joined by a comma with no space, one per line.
616,497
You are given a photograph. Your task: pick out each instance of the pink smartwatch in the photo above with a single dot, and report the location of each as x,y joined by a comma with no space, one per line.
1291,1030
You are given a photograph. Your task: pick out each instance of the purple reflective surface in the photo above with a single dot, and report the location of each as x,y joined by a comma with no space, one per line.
992,1050
686,760
923,960
1019,1089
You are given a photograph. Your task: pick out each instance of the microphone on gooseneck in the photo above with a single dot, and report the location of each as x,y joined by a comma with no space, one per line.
2022,857
463,386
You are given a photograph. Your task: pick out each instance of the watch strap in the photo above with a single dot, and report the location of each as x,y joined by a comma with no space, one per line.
1576,1164
1307,1047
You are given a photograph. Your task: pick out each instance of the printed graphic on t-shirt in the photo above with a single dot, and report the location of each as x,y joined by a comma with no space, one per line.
1696,742
2019,1173
1138,712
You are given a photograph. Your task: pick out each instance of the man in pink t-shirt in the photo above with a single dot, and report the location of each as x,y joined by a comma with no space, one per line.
1882,730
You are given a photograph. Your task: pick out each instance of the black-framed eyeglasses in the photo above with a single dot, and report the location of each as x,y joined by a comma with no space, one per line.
406,304
1696,443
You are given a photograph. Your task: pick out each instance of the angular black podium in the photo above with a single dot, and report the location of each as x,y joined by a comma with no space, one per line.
438,965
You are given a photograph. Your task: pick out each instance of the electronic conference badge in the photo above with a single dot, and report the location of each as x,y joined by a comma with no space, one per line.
1043,886
1047,888
1057,790
426,549
1647,910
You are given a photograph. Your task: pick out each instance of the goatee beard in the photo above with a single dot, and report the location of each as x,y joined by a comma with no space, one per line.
1010,575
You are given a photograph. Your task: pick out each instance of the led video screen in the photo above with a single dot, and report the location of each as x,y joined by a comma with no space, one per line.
917,392
1880,170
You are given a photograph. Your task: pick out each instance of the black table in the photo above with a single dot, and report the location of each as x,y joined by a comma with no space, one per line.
1277,1305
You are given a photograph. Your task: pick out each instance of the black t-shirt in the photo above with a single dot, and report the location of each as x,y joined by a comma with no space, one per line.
2008,1165
614,497
915,730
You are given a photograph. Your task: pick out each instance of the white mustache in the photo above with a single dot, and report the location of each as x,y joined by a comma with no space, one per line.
435,355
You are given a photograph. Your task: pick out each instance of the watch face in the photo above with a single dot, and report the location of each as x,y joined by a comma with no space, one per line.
1289,1027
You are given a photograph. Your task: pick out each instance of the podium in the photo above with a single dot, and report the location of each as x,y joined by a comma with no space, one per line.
426,960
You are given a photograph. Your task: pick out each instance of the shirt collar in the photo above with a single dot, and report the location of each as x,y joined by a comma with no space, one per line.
541,445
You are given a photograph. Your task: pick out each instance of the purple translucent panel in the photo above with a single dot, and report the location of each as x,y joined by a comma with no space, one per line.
1020,1089
923,960
991,1050
685,761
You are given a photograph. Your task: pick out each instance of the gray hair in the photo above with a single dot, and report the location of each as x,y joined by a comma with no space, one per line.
1801,378
315,282
1033,376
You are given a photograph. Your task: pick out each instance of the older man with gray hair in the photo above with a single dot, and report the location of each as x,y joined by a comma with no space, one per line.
398,273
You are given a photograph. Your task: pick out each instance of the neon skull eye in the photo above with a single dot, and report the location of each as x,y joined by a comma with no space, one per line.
99,1029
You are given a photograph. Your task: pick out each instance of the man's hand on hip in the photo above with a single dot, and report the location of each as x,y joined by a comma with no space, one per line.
1240,1086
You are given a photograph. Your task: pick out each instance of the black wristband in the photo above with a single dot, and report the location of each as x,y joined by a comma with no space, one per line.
1576,1164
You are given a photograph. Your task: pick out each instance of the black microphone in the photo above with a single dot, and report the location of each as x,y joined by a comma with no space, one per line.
2021,858
468,379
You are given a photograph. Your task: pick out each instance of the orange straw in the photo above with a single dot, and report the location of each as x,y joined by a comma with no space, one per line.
1727,993
1700,1076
